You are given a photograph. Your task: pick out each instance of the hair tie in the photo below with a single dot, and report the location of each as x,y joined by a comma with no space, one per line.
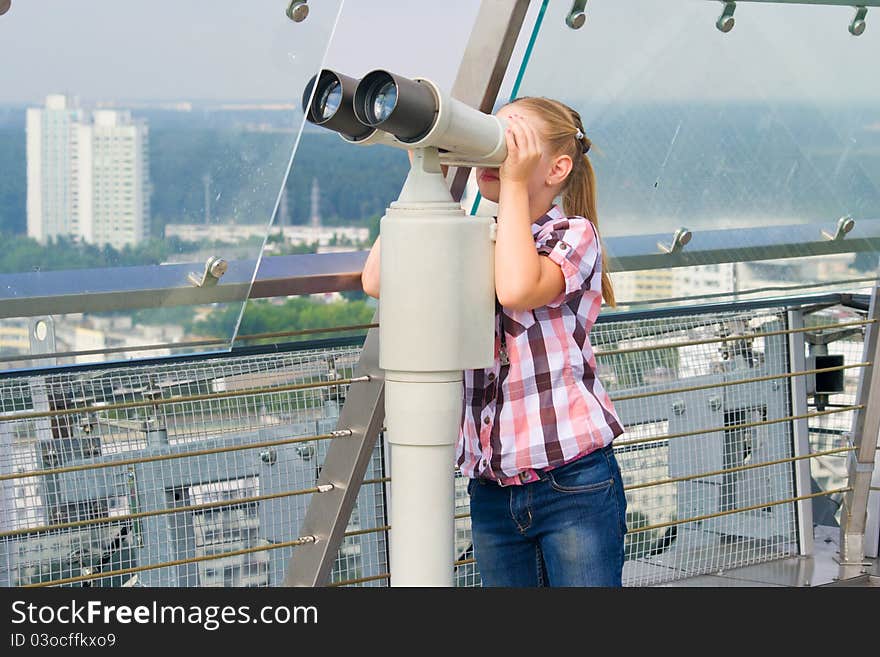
585,147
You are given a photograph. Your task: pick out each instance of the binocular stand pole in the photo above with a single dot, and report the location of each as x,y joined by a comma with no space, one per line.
436,312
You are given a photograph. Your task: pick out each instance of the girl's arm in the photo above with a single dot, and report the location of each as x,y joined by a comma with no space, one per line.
370,275
523,279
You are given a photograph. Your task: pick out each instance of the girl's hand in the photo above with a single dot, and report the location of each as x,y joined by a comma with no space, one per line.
523,151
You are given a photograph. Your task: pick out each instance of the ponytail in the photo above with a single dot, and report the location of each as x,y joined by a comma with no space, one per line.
579,198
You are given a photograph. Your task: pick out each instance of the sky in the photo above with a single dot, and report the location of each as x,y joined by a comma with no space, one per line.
217,50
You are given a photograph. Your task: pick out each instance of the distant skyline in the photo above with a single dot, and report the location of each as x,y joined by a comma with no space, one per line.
106,50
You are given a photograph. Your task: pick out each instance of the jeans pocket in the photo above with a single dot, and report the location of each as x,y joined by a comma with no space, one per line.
621,494
588,474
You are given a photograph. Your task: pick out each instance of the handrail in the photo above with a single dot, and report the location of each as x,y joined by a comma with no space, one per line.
216,342
32,294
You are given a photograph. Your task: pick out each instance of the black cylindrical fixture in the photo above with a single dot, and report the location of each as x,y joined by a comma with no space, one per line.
331,106
830,383
397,105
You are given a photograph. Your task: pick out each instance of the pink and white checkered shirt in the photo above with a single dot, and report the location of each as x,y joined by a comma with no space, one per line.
547,406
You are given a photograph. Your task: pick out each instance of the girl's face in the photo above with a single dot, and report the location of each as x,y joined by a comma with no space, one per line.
487,178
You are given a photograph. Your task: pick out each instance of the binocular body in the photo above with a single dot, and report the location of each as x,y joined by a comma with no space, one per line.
406,113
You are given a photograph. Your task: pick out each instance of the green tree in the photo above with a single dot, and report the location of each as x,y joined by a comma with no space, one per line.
23,254
296,313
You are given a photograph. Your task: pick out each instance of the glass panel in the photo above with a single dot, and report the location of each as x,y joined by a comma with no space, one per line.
768,134
337,191
159,140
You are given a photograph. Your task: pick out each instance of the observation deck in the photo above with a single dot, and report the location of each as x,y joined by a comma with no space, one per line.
153,432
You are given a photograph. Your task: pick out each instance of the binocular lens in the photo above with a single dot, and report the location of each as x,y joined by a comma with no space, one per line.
331,106
399,106
331,98
384,102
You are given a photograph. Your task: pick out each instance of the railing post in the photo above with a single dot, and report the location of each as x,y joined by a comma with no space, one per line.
344,467
866,426
800,431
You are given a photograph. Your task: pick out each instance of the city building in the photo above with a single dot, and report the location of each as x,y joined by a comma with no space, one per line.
88,174
294,235
658,284
52,168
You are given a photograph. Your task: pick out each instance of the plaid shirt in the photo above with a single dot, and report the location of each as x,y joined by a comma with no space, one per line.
546,407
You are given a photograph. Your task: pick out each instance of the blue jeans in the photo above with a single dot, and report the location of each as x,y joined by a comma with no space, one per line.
564,529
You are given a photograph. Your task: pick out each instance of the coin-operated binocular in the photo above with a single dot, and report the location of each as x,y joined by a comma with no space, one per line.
437,293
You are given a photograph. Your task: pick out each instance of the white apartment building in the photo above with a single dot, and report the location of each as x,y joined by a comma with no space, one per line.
88,174
656,284
52,169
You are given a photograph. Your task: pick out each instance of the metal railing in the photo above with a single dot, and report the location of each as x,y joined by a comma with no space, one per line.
219,470
101,478
128,288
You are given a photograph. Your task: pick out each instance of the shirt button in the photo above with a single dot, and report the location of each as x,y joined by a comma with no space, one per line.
491,376
563,246
486,420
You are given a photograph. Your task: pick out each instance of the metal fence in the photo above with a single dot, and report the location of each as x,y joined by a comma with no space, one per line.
200,472
707,457
195,473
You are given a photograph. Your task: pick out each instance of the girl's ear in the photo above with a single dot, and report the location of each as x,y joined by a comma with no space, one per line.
559,170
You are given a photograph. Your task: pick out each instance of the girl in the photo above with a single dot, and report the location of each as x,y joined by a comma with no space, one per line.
547,500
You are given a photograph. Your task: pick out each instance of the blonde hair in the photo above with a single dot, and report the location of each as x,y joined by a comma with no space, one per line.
563,131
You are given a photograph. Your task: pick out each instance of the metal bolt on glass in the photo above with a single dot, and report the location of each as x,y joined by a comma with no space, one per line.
844,226
576,17
5,5
297,10
215,267
857,27
678,407
680,239
269,456
726,21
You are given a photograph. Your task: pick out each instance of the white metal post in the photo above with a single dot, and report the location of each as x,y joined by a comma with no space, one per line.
866,426
437,306
800,431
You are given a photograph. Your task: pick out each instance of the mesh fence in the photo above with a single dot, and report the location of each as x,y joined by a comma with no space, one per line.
200,473
137,488
833,432
708,454
701,415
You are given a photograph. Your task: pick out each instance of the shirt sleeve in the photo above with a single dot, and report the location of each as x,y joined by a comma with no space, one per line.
571,243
